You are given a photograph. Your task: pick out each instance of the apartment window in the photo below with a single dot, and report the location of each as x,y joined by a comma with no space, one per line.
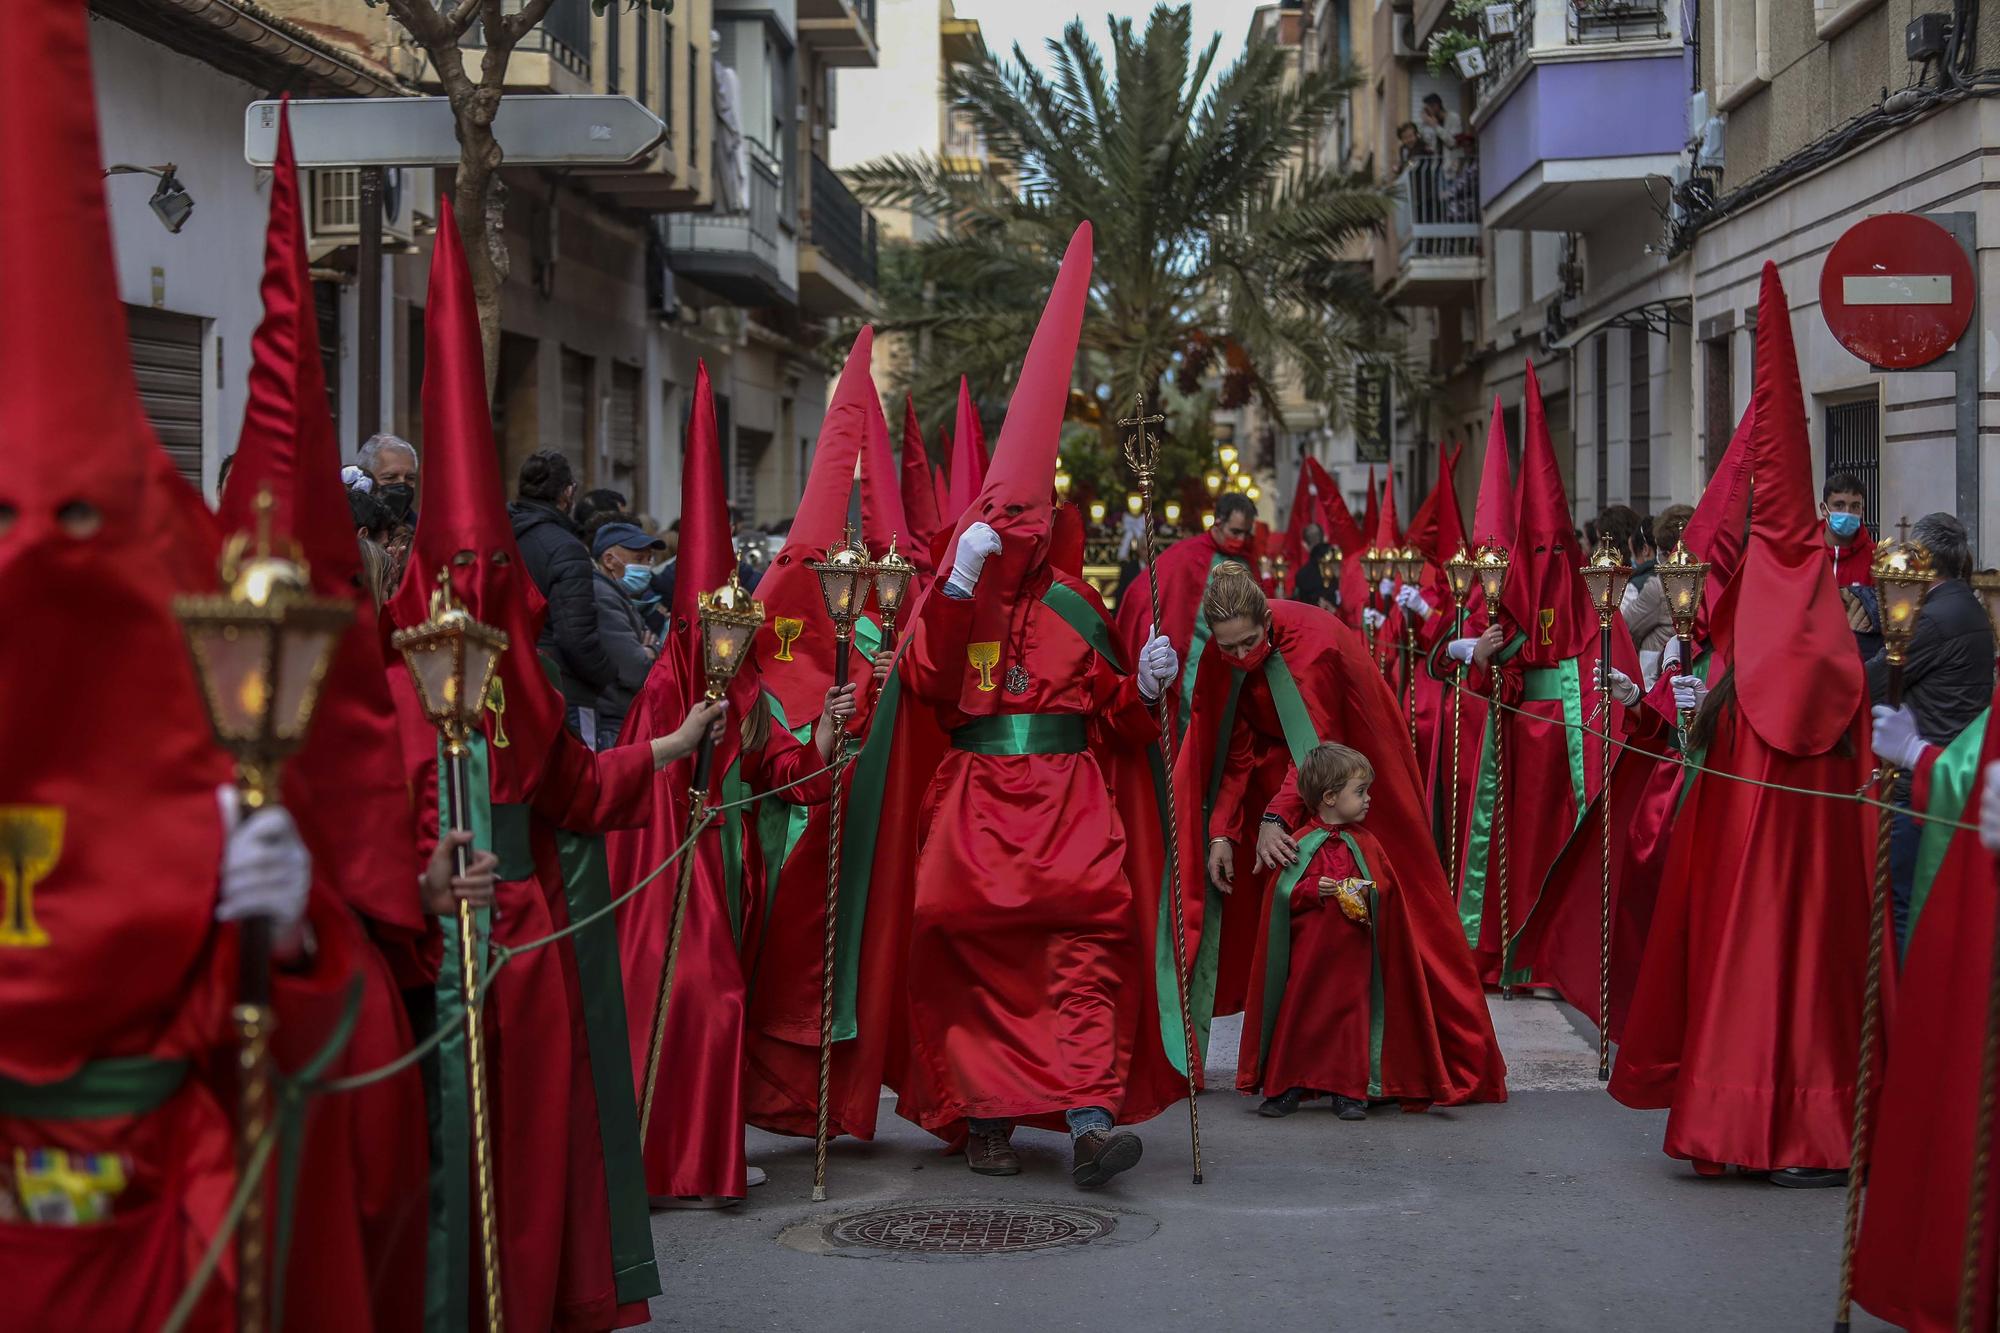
641,44
1600,356
1854,444
1742,48
1639,392
326,311
1719,402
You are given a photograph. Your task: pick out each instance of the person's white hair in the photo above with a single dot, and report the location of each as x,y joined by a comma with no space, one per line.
377,443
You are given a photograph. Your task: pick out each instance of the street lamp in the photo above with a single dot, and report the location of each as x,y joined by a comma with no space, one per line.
1605,574
260,650
452,658
1062,481
1134,503
1213,481
1098,510
1172,509
1227,453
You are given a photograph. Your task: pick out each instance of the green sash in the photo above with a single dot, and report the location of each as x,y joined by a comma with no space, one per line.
1479,837
1696,754
1081,616
1954,774
1196,644
587,889
1023,733
448,1288
860,832
1278,953
131,1085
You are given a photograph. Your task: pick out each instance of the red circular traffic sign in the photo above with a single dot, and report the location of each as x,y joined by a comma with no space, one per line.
1896,290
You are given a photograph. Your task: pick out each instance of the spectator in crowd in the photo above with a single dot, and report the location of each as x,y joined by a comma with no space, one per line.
1669,525
390,464
1947,682
1442,130
1843,500
596,508
1410,144
624,577
1645,604
560,564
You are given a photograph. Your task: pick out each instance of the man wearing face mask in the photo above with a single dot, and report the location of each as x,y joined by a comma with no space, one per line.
1183,570
623,589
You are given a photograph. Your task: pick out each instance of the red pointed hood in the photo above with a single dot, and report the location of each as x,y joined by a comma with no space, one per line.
1545,594
969,459
1386,535
1785,588
1066,540
1334,515
1305,510
102,535
1019,494
1493,508
463,526
1424,524
352,759
798,666
1717,531
941,488
920,504
1370,515
707,556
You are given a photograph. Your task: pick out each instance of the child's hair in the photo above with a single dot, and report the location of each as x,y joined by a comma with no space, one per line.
755,730
1329,768
1232,593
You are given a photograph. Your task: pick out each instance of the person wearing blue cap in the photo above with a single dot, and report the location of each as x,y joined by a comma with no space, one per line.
622,589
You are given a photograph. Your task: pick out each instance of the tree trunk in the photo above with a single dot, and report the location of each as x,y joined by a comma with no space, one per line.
479,231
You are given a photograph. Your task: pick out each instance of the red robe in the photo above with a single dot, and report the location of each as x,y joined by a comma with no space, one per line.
1033,933
1906,1266
1747,1018
1184,570
1349,1008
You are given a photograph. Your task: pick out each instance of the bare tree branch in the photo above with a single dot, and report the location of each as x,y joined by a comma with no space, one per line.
523,23
461,18
422,21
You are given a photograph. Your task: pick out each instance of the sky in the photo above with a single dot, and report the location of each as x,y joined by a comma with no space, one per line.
1005,22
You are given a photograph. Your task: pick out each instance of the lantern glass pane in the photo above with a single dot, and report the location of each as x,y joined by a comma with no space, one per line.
890,585
1491,581
303,654
231,659
481,658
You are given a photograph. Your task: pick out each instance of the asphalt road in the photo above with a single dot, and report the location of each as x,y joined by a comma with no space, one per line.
1554,1211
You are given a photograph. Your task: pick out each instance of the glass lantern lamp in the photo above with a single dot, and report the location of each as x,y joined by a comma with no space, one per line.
1683,578
1606,574
892,581
843,585
1490,564
1903,574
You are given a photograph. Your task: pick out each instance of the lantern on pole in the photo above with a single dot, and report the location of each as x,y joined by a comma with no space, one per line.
1606,575
1683,578
1489,565
1459,572
844,577
892,582
728,619
261,648
452,659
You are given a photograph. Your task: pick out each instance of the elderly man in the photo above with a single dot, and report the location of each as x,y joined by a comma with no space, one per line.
1947,680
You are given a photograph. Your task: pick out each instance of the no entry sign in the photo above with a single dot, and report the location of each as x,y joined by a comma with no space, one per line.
1897,290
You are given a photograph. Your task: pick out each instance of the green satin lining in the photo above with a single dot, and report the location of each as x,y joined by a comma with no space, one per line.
1197,643
1023,733
1954,774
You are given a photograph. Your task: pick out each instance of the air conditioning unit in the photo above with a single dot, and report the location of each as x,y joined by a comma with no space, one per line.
333,217
1402,38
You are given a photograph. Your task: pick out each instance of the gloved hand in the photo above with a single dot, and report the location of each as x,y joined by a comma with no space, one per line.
1460,650
356,479
1897,743
1158,664
976,544
1623,689
1413,603
1689,691
1372,618
1989,809
1387,588
266,869
1670,657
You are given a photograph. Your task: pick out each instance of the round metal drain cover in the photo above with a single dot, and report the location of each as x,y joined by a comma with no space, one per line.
969,1229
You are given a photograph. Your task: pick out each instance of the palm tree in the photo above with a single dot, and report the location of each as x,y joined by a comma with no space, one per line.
1220,248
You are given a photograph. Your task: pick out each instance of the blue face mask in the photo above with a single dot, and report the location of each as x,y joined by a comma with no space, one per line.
1843,526
637,578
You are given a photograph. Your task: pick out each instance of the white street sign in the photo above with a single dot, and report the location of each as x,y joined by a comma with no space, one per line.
548,131
1896,289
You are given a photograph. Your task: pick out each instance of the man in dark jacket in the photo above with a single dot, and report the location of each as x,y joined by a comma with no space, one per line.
561,567
1947,682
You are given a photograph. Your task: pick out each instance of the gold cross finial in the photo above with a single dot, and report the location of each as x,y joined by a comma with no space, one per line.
1903,529
1142,445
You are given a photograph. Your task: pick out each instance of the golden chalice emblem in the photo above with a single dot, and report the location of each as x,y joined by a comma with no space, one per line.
984,657
31,838
788,629
496,700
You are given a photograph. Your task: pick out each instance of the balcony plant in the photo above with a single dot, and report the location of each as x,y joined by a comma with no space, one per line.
1459,31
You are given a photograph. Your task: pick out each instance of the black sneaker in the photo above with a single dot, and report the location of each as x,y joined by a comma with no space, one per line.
1808,1178
1349,1108
1282,1105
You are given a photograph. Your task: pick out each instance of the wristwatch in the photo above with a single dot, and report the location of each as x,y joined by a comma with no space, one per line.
1273,819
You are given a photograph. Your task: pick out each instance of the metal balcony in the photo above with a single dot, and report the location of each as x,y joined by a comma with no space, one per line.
555,55
842,31
837,270
744,256
1437,231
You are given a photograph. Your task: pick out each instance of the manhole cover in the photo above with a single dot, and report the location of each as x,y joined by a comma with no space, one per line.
969,1229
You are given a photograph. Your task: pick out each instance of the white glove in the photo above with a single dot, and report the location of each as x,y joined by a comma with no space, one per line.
1158,664
977,543
1387,587
1689,691
1989,809
1460,650
1670,656
1372,618
1623,689
1413,603
355,479
1896,740
266,870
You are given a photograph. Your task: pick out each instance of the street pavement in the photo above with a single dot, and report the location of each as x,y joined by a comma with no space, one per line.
1555,1211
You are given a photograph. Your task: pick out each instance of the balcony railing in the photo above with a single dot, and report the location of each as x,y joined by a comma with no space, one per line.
742,254
842,229
1437,208
1616,20
1503,53
564,33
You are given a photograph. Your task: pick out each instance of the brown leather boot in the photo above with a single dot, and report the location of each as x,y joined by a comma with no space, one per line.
988,1153
1102,1154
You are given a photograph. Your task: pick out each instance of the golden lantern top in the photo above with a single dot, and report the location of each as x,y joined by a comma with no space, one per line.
1683,577
843,582
1606,575
452,659
1459,570
1903,574
730,617
892,579
1490,564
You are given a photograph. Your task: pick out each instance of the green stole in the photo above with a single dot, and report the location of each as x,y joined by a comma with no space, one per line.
1278,953
1081,616
1954,775
1196,644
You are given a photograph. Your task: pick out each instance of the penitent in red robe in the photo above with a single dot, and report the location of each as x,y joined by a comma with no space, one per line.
1347,1007
1032,930
1184,570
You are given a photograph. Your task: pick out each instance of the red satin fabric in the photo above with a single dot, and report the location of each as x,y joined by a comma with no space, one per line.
1183,569
1746,1020
1431,1054
1906,1267
1026,933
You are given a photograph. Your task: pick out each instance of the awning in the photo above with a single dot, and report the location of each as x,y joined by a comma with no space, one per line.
1656,316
